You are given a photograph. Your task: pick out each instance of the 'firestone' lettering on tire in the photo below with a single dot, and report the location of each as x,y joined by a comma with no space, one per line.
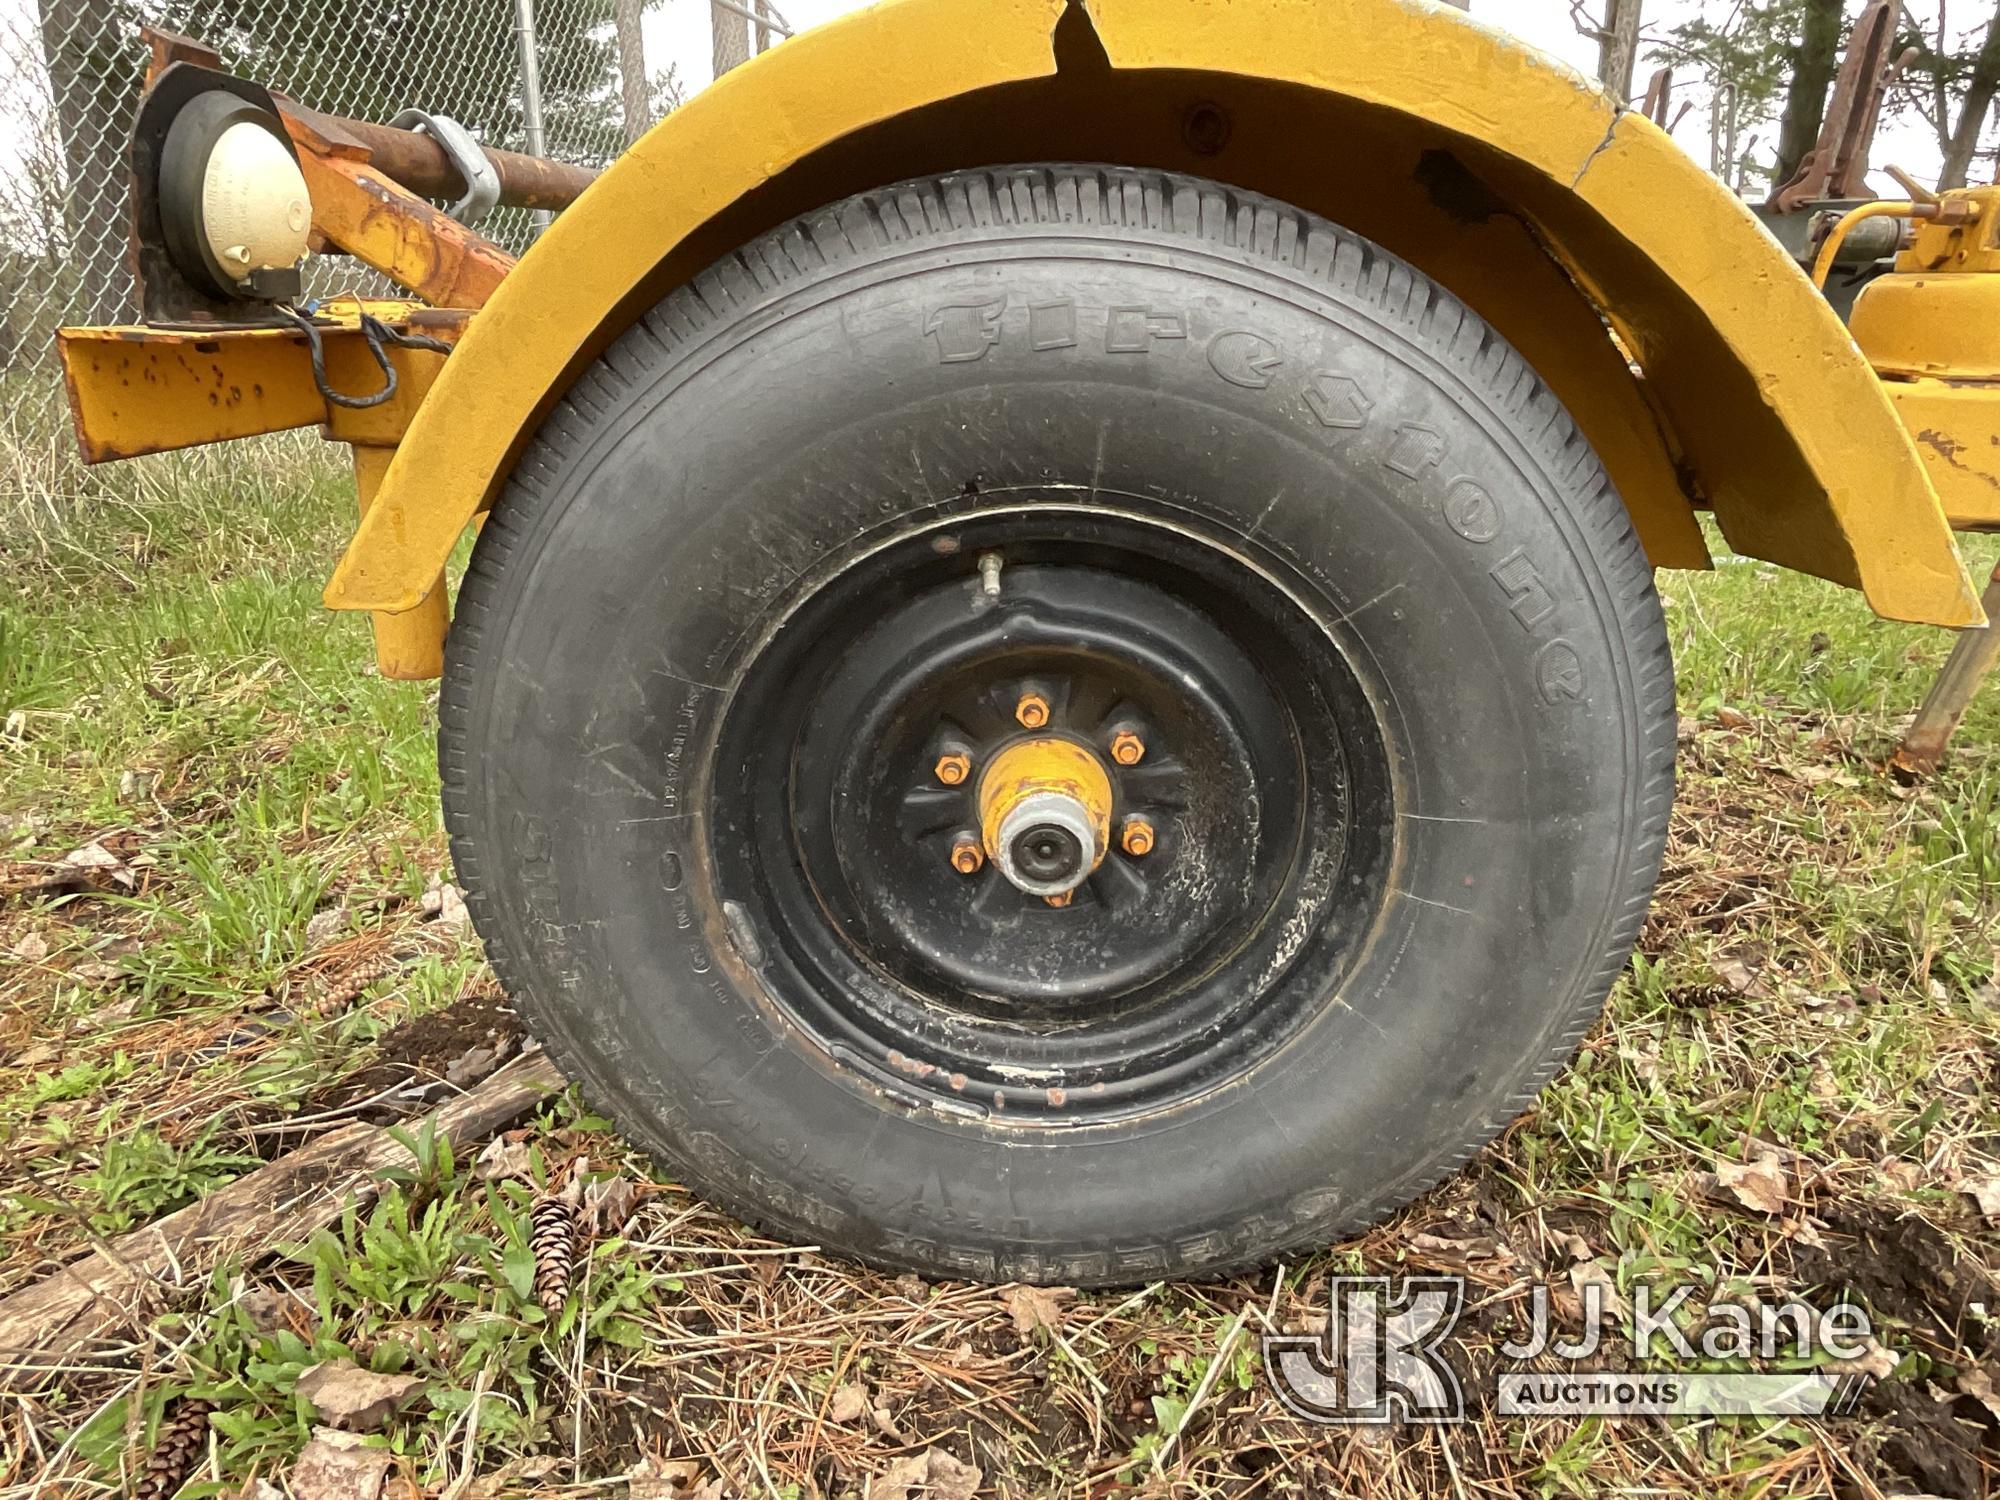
966,331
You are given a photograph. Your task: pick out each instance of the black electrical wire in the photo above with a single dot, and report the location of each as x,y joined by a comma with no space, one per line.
378,336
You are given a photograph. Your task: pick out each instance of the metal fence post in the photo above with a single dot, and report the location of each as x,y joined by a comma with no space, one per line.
531,95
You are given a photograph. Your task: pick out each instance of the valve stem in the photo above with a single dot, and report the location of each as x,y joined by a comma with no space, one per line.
989,574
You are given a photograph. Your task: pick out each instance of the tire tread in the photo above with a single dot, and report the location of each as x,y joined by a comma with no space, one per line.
1150,202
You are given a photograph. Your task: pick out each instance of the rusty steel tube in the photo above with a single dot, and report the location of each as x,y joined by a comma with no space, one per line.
420,164
1975,655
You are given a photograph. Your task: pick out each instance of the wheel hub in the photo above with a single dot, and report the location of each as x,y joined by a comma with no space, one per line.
1049,837
1045,815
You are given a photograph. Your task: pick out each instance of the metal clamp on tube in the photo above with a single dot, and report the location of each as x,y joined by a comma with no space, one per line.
482,181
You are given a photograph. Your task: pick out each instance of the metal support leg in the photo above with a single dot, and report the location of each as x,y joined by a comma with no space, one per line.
1971,659
409,647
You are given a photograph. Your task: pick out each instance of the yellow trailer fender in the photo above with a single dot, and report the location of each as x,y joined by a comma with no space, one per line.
1693,353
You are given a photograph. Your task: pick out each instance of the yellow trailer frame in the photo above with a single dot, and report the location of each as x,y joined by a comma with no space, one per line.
1698,359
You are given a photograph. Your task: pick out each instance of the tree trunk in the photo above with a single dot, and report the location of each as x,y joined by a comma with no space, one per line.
732,37
92,86
1618,47
1973,109
634,86
1814,63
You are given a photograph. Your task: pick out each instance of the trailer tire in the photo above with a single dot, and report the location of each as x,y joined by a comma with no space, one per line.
1053,456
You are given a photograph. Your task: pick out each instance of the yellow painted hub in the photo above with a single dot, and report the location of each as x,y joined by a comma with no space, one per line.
1035,795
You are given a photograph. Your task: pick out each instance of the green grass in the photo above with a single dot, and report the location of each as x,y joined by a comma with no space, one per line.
172,688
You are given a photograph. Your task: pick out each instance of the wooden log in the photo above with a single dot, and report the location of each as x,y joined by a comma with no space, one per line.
56,1321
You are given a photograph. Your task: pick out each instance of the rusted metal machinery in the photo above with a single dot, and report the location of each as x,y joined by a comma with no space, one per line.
1068,722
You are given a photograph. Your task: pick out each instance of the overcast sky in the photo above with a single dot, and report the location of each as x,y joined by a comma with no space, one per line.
678,31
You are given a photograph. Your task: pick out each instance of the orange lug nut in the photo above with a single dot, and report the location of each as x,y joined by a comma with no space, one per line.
1032,710
953,767
1127,748
967,856
1137,837
1063,900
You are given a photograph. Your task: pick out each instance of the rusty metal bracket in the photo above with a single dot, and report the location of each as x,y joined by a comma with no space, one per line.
412,242
1837,165
134,391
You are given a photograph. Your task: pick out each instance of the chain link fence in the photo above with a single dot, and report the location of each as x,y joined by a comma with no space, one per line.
70,77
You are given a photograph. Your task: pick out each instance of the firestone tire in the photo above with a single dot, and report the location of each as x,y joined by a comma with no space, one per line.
1243,478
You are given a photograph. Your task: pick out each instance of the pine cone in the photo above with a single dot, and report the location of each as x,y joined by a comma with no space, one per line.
178,1448
554,1241
343,989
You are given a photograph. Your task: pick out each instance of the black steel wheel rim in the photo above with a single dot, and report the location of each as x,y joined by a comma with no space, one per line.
1265,781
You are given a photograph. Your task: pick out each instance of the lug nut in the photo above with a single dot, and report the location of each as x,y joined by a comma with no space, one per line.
1137,838
966,855
1062,900
1032,710
953,767
1127,748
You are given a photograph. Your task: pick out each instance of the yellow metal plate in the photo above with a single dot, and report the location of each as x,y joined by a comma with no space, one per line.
1931,325
1754,398
134,391
1957,431
137,390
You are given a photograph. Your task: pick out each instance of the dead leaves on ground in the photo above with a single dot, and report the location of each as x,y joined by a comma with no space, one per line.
1984,1191
1036,1308
849,1403
1760,1184
353,1399
666,1479
338,1465
930,1475
112,864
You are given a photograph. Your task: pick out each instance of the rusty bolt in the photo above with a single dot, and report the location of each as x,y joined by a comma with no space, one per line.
953,767
1063,899
1127,748
966,855
1032,710
1137,837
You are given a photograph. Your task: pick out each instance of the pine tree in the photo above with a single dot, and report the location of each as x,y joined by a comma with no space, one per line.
1952,85
1743,60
